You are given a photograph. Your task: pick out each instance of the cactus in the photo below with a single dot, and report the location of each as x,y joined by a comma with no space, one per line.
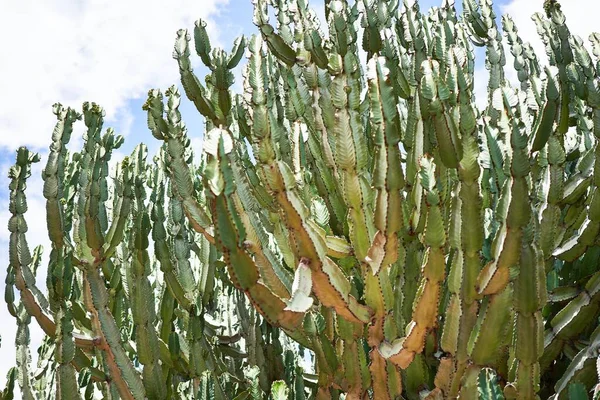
364,217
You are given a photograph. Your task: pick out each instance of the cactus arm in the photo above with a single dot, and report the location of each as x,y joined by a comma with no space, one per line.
434,94
179,170
350,153
19,254
563,55
383,252
270,266
89,232
529,296
202,42
388,176
66,384
545,123
142,297
20,258
177,288
192,86
121,371
121,213
577,364
276,43
551,210
327,180
239,46
570,320
241,267
231,237
526,63
180,288
22,340
329,284
270,272
576,245
529,287
54,173
428,295
91,202
480,24
467,238
93,118
24,280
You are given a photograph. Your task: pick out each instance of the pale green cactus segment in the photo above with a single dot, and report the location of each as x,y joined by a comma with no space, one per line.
124,202
321,140
179,264
270,269
545,123
329,284
231,236
20,257
560,54
434,92
580,73
275,42
22,339
388,176
528,334
426,303
245,273
530,286
349,152
91,197
577,363
55,170
198,364
192,86
507,244
270,266
551,213
66,383
485,342
141,296
526,63
173,131
120,369
202,42
182,291
572,316
229,233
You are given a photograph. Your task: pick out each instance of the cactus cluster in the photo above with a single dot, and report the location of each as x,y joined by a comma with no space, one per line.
353,207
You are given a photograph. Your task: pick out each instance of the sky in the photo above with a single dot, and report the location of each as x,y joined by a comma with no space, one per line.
112,53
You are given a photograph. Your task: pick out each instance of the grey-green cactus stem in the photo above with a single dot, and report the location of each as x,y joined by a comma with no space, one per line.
141,296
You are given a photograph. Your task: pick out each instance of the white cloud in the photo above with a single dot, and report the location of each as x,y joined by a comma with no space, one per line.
72,51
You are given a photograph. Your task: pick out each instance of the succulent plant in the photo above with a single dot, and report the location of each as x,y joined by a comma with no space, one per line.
353,209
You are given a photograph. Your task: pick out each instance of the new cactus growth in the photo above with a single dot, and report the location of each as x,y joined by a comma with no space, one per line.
352,208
